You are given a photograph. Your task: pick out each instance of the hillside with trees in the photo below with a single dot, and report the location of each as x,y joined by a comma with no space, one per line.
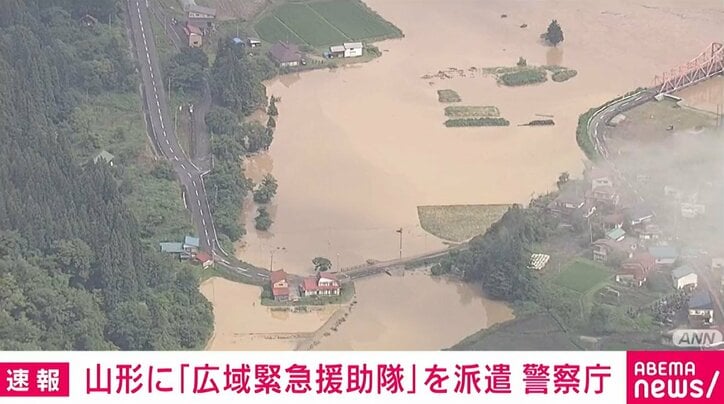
74,273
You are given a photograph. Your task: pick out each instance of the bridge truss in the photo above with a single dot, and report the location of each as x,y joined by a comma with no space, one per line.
708,63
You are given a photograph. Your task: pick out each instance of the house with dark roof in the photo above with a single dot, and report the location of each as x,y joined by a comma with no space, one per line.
285,54
701,308
605,248
279,285
664,254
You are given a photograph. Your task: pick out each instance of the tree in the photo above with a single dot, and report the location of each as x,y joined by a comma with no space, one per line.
263,220
600,319
272,110
266,189
322,264
221,121
563,179
163,170
522,62
554,34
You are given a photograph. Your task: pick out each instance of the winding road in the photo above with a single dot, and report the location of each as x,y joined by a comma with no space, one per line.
162,133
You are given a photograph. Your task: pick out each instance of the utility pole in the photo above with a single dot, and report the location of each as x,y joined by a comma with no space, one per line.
400,231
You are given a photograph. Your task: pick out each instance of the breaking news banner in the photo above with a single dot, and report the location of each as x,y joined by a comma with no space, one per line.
365,377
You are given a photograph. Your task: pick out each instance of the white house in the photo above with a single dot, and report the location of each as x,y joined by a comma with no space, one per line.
352,49
701,308
321,285
684,277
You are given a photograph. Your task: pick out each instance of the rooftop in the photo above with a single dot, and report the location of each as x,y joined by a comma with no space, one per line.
664,251
203,257
616,233
681,272
284,52
201,9
191,241
700,300
171,247
277,276
108,157
352,45
336,48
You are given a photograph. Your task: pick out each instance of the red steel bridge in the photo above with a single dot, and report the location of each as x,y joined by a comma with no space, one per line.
708,63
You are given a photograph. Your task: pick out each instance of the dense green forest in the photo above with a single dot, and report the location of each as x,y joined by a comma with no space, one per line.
74,273
236,85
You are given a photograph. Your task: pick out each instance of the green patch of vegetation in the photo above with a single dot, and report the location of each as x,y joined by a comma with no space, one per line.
582,275
460,111
465,122
448,95
563,75
459,222
309,25
325,23
356,20
523,76
272,30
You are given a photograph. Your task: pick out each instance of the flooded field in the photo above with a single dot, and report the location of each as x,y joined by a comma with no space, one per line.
413,312
398,312
242,323
707,96
358,149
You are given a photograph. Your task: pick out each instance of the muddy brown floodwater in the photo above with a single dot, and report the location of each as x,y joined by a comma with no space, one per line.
356,150
413,312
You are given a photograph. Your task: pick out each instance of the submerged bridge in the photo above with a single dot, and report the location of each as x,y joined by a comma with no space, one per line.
709,63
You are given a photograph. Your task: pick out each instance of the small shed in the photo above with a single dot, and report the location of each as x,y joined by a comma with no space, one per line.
204,259
336,51
616,234
105,156
684,277
253,42
191,244
238,41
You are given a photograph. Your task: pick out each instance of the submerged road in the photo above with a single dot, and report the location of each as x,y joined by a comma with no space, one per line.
164,138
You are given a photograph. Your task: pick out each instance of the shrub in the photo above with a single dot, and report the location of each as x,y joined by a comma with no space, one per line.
524,77
448,96
464,122
563,75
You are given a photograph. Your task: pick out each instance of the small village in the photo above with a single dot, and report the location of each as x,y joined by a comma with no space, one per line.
627,237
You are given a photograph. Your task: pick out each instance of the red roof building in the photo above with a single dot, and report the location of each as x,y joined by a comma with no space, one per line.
322,284
637,268
279,285
204,259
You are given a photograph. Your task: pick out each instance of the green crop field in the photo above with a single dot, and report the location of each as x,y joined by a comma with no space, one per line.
321,24
309,25
582,275
272,30
355,21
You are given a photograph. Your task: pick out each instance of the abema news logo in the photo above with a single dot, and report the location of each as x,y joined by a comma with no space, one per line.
675,377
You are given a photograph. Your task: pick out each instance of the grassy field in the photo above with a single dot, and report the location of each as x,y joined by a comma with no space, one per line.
524,77
321,24
582,275
470,122
315,31
355,20
448,95
459,222
114,122
461,111
272,30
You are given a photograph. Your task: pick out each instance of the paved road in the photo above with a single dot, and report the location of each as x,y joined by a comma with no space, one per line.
163,135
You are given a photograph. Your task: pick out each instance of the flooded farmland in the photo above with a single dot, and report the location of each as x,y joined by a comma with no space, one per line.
398,312
357,149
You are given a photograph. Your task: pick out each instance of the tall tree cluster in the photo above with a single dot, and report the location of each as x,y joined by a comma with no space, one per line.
73,273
